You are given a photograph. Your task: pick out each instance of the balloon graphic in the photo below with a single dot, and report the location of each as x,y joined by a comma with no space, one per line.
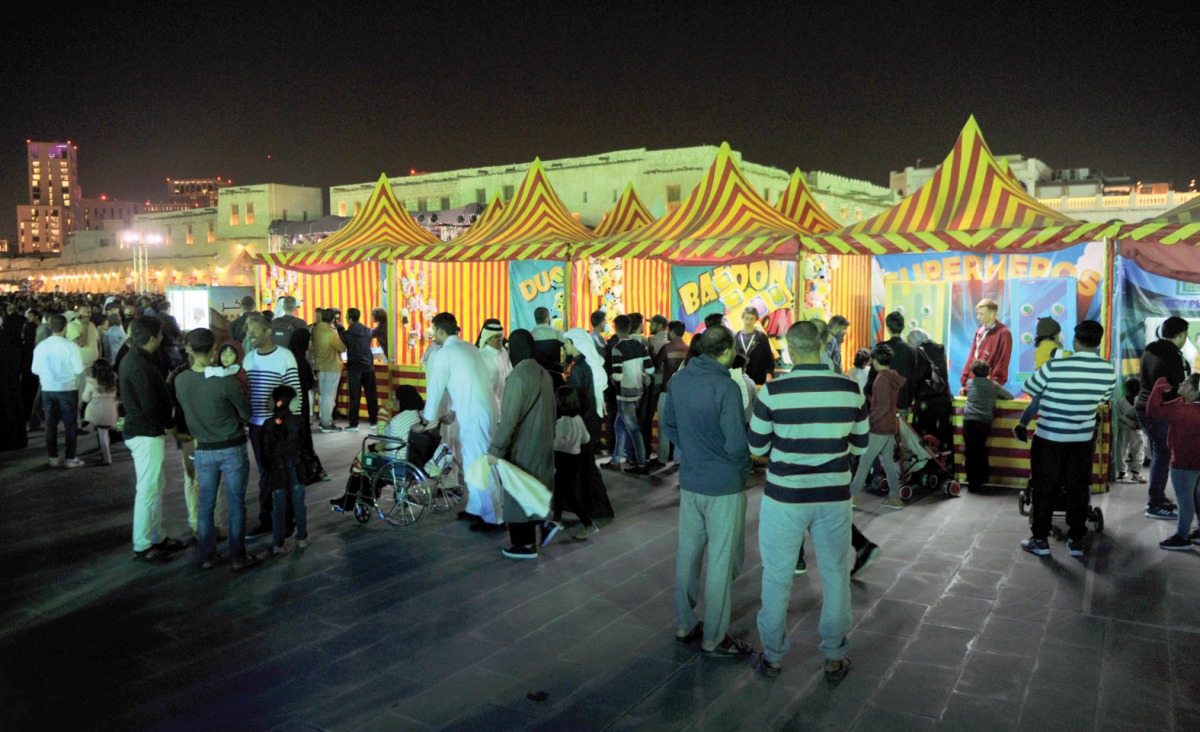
1027,309
1027,338
1058,309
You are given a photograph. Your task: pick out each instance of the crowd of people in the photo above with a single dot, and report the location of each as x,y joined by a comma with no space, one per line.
560,406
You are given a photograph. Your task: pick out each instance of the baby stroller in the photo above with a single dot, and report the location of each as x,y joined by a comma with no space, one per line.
922,462
385,479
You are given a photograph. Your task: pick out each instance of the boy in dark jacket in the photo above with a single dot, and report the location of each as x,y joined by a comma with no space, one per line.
283,452
1162,359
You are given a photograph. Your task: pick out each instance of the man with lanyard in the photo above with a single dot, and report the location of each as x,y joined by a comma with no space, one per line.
838,325
992,344
753,345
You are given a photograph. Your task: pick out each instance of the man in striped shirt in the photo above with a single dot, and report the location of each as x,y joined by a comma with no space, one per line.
810,422
1071,390
267,366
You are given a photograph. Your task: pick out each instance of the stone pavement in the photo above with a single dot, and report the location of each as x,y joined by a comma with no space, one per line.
429,627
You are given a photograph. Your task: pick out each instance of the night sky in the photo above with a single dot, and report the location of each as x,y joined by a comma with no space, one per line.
273,92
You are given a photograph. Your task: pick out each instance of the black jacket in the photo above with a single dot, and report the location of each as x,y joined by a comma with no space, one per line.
905,363
148,405
358,348
1161,359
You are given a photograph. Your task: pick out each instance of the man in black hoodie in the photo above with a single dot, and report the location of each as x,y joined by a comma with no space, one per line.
904,362
148,416
360,369
1161,359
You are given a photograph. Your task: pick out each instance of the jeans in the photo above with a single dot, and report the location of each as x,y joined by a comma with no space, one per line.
1187,492
664,442
148,456
327,386
979,468
883,447
716,526
279,510
1160,456
1065,466
232,464
360,381
629,434
60,405
781,528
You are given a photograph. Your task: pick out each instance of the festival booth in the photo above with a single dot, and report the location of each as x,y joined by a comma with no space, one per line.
970,232
1158,275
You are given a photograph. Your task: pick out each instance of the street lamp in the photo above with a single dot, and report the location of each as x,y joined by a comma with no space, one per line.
140,242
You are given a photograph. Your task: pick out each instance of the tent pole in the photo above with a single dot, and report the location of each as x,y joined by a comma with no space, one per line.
390,290
568,305
798,287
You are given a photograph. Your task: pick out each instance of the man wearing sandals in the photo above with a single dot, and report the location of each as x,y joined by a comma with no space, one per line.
810,422
703,414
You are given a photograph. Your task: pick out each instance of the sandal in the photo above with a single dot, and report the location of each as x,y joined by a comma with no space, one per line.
730,648
835,671
694,635
767,668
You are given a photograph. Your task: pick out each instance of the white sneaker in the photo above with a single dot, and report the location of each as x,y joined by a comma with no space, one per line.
74,463
56,462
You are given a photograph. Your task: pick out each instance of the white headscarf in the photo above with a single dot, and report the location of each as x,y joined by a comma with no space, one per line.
583,342
488,330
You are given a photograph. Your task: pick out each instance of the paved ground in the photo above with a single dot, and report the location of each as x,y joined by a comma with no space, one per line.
374,628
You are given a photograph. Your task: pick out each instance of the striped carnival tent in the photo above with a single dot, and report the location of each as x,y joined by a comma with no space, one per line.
379,229
724,220
1165,245
533,225
628,214
799,205
487,220
972,203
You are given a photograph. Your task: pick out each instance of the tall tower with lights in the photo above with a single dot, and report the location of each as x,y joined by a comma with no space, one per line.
54,198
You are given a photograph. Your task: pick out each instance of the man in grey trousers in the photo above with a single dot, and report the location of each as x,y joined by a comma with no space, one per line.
703,414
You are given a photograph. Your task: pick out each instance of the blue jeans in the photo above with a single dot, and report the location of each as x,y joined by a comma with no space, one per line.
234,464
279,509
1160,456
629,431
60,405
1187,492
781,528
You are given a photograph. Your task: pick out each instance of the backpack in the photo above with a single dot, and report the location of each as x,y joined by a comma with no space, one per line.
935,384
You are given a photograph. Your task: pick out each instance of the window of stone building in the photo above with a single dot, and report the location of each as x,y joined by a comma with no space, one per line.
481,196
235,216
191,239
445,203
212,234
673,194
341,208
422,204
614,195
585,196
508,193
357,207
249,214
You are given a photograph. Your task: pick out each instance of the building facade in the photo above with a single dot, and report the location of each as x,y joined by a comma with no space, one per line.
590,186
195,192
54,198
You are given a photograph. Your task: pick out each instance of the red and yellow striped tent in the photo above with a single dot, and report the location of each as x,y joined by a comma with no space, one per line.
487,220
645,281
533,225
972,202
724,220
799,205
628,214
1164,244
379,228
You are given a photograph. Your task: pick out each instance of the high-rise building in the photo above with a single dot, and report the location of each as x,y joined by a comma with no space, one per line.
54,198
197,192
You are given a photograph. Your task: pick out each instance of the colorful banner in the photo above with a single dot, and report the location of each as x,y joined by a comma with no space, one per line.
729,289
1147,299
532,285
938,292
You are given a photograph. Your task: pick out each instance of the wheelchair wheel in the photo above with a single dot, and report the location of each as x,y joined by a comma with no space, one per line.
1096,516
362,512
951,487
402,493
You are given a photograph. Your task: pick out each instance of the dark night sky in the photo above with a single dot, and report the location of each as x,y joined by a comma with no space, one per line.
339,95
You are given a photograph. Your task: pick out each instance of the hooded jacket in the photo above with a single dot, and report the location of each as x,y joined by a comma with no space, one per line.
703,414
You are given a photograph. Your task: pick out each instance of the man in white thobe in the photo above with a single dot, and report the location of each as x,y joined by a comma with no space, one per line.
495,356
458,370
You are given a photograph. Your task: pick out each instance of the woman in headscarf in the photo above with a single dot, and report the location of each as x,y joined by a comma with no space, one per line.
525,437
588,378
298,345
932,401
495,356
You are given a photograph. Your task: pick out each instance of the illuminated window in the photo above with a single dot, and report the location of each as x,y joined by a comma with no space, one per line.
341,208
249,214
190,238
235,218
212,234
357,207
33,152
673,194
167,236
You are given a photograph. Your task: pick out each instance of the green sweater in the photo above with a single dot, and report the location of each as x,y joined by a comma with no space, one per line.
217,409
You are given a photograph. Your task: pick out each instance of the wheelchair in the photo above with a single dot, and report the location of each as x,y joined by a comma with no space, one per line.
396,490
